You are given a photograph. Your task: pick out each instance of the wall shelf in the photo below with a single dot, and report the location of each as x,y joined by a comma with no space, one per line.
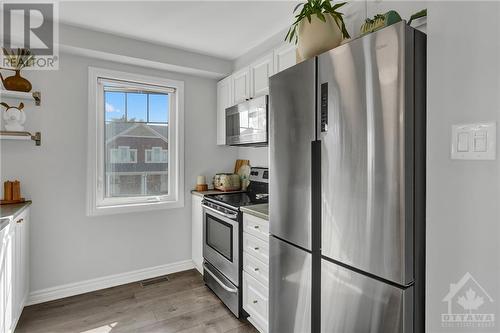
35,96
14,135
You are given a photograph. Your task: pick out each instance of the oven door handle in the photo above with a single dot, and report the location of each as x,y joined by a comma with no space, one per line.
229,216
231,290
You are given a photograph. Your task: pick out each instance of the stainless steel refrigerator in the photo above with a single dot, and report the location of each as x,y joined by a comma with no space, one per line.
347,192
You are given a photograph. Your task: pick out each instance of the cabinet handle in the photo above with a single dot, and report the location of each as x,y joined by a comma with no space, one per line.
256,248
255,302
20,221
256,226
256,269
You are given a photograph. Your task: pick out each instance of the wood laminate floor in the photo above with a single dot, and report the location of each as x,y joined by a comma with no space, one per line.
181,304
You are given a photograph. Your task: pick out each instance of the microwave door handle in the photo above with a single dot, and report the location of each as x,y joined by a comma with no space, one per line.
231,290
229,216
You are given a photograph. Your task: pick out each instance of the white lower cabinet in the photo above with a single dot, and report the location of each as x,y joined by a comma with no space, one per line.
14,271
256,302
197,232
256,271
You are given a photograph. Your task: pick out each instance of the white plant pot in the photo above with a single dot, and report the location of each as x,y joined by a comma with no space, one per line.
317,37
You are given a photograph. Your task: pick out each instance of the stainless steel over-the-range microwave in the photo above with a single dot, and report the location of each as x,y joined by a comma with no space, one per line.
246,123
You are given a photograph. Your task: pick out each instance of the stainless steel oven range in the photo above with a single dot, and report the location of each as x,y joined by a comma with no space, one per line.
222,236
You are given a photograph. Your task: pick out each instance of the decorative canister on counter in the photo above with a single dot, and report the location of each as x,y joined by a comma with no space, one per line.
11,193
201,184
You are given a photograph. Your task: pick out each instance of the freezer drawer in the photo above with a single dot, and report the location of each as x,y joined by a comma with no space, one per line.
292,129
367,153
354,303
289,288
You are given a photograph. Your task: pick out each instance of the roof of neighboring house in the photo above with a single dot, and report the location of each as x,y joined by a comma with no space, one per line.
117,129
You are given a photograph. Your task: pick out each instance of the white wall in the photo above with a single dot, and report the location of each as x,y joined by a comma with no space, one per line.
67,246
463,197
258,156
126,50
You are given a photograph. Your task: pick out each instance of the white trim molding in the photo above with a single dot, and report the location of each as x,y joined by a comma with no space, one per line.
77,288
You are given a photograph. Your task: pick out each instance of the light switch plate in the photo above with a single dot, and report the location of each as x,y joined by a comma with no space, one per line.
474,141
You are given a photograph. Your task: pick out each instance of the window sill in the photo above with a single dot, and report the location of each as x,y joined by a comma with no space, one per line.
133,208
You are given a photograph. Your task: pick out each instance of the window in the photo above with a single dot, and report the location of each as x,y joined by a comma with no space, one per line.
156,155
135,155
122,155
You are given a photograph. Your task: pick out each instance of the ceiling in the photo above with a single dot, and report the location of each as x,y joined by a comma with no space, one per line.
225,29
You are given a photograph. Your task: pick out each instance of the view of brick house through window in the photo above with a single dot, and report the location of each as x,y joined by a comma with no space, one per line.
136,142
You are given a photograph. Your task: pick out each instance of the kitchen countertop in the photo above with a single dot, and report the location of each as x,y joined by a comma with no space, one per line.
8,212
260,210
202,193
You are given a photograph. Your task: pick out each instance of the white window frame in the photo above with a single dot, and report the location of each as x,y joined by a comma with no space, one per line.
97,203
151,152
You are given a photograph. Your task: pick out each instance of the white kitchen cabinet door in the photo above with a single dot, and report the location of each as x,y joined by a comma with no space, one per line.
7,267
260,71
241,85
284,57
256,302
21,261
197,232
224,100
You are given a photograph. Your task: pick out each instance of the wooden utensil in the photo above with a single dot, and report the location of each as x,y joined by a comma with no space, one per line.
239,163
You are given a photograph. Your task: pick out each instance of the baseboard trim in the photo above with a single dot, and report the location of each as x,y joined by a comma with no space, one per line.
72,289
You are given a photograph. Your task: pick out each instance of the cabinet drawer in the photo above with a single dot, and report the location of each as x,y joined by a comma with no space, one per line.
256,226
256,268
256,247
255,301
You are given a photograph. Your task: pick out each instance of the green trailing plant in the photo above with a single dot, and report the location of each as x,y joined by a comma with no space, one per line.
417,15
320,8
379,21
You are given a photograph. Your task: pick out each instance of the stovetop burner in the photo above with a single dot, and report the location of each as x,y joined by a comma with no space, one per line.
240,199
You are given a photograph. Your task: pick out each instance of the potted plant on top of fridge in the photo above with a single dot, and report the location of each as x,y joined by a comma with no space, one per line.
317,28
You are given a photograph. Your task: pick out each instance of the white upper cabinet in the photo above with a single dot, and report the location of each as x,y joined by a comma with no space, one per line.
250,81
260,71
224,100
284,57
241,85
